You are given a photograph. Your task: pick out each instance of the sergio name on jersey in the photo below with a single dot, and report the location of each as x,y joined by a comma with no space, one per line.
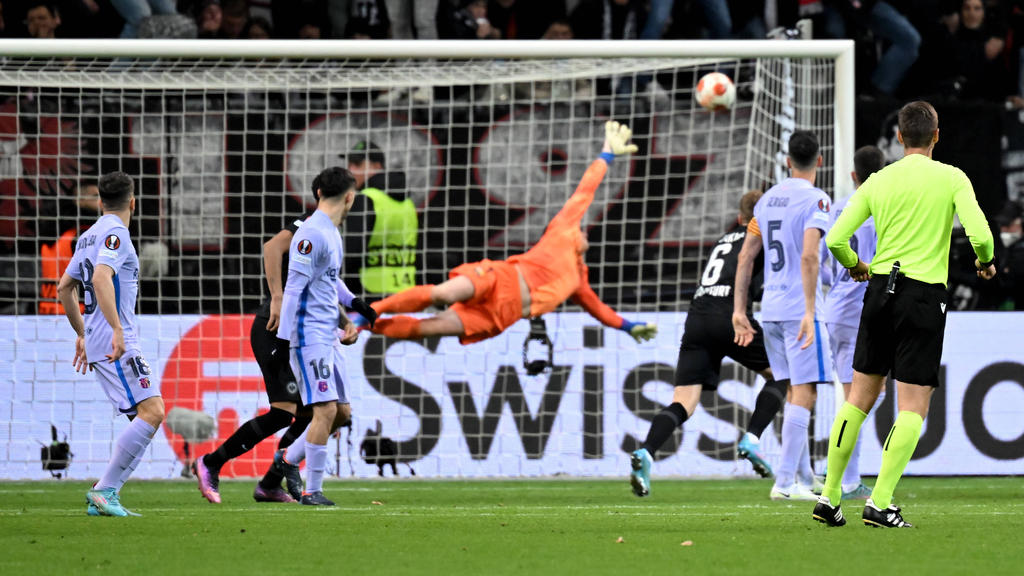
782,215
107,242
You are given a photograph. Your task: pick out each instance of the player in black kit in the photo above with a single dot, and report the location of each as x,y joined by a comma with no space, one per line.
282,390
707,338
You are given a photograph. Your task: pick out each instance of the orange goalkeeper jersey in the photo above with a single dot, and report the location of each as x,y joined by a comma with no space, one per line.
554,269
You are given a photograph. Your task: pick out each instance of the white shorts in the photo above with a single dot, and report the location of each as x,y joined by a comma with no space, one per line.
127,381
318,369
844,342
808,366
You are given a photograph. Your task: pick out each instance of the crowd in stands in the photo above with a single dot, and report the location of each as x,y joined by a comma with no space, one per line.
957,48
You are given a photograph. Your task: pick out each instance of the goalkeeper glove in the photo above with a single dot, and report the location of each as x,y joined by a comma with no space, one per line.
616,139
640,331
364,310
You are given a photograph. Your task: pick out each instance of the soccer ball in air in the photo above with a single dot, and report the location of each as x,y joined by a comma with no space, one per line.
715,91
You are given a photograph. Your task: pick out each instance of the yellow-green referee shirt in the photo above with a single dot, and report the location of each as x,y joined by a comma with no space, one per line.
913,201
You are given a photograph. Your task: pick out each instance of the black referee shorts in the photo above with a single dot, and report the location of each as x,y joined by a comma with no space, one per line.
902,332
707,338
277,374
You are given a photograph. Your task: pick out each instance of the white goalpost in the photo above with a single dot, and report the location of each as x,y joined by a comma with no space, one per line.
223,139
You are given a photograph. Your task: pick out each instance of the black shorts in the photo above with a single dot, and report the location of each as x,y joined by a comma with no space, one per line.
902,332
707,338
277,375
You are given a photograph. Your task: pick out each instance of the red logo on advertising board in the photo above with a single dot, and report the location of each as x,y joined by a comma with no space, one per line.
183,384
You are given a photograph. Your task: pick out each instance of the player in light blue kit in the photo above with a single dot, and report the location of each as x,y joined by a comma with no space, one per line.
310,317
844,303
107,267
789,222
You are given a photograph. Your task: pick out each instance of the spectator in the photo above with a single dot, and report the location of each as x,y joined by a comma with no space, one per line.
134,11
885,23
368,20
42,20
404,14
470,22
235,18
209,19
608,19
978,43
382,230
558,30
258,28
310,31
1011,259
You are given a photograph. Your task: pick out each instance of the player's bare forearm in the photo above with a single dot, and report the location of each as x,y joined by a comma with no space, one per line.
106,299
67,291
273,255
810,261
744,272
106,296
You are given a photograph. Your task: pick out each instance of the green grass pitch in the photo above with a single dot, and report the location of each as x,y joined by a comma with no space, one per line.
963,526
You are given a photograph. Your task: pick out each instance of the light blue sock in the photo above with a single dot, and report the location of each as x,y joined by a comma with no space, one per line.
316,461
795,420
130,447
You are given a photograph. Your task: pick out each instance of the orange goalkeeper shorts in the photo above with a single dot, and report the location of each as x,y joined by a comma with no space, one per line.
496,303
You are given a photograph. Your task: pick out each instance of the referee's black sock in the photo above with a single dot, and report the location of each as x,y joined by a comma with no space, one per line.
767,405
296,429
248,436
663,425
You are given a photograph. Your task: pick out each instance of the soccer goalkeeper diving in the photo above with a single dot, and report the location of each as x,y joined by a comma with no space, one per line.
484,298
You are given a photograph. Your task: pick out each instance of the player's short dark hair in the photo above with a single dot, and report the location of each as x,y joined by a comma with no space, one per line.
804,149
918,122
116,189
866,161
334,182
747,202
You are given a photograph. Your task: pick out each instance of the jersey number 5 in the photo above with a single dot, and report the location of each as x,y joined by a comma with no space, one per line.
776,245
713,271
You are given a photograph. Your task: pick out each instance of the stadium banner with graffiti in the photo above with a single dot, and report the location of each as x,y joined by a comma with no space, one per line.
473,411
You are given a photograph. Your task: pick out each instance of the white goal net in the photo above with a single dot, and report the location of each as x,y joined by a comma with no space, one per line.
223,146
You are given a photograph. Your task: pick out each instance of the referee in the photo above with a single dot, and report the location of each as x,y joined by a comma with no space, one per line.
901,327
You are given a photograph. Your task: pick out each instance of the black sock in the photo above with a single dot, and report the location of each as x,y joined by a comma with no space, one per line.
767,406
296,429
271,479
247,437
663,425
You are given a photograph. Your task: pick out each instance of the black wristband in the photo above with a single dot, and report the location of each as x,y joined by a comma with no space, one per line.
983,265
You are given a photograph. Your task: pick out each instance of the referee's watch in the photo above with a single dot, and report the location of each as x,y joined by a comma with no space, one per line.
984,265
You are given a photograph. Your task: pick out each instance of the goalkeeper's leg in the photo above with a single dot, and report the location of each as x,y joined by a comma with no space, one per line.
417,298
446,323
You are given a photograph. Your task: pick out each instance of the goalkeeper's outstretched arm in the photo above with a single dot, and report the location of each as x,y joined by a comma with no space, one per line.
616,143
589,301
